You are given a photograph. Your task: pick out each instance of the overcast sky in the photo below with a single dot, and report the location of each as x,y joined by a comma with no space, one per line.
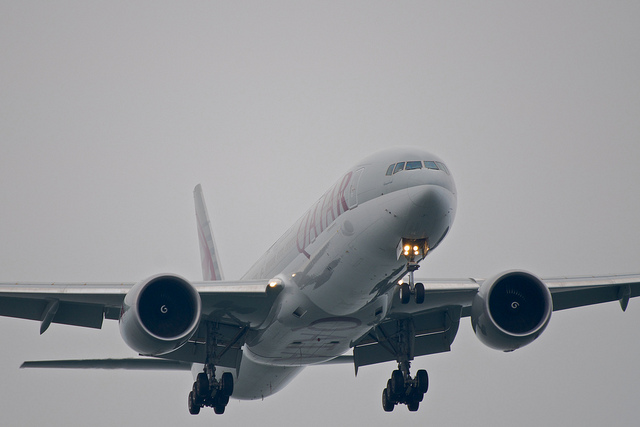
110,114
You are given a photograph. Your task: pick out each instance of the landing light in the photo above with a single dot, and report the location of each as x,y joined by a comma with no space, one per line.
273,283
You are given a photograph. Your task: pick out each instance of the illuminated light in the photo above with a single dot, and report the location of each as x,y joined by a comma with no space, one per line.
293,275
407,248
400,282
415,249
273,283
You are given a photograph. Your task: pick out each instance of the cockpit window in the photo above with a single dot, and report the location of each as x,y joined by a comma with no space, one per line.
430,165
399,167
414,165
443,167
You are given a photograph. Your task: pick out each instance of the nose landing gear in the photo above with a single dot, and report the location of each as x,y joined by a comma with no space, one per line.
413,251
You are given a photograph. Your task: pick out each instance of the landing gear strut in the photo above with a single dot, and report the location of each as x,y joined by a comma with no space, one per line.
207,390
402,388
411,288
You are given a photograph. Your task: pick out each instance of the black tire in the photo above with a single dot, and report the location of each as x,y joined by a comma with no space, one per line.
202,386
397,384
422,381
413,405
419,293
390,396
226,384
219,409
405,293
222,400
194,408
387,404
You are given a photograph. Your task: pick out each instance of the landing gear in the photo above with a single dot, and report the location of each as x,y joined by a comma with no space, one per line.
402,389
413,251
411,288
207,390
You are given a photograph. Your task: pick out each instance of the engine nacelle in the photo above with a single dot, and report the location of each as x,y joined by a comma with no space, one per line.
511,310
160,314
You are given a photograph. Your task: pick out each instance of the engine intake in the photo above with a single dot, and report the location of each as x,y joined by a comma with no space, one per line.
160,314
511,310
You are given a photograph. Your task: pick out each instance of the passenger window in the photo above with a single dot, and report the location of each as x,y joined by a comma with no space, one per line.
430,165
399,167
443,167
414,165
390,169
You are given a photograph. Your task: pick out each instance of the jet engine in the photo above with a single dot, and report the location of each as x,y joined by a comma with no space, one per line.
511,310
160,314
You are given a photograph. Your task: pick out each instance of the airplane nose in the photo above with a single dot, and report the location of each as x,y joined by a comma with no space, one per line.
430,196
432,211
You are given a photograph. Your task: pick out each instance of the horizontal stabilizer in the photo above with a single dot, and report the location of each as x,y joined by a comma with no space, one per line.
128,364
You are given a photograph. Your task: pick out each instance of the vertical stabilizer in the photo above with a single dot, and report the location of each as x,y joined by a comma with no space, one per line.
211,269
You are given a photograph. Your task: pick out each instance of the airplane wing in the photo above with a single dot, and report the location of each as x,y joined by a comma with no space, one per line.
436,321
88,304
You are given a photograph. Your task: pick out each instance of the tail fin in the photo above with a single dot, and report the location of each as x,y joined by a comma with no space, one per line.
211,269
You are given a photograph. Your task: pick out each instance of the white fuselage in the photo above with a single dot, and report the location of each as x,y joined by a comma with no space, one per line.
339,263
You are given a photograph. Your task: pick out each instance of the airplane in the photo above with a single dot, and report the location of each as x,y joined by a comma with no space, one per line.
337,287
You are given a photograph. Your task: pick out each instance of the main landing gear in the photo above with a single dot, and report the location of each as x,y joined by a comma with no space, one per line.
207,390
401,388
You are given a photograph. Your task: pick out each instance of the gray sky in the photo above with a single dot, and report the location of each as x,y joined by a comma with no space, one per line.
111,113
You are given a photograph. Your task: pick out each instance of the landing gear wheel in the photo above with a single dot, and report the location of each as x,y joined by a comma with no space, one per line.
201,386
419,293
222,400
387,404
219,409
226,384
389,392
422,381
405,293
413,405
194,408
397,384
